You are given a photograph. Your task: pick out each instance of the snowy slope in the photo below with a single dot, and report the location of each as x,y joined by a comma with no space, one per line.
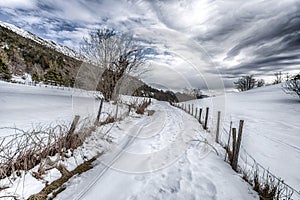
26,107
272,128
51,44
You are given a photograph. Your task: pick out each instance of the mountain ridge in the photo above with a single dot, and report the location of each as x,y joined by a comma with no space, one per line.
49,43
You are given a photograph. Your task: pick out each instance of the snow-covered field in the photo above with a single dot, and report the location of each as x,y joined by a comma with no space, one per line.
151,157
27,107
271,131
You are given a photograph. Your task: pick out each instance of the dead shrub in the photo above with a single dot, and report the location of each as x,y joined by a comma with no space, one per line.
108,120
27,149
57,186
141,107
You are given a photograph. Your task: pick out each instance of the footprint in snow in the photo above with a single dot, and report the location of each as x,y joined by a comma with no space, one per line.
139,178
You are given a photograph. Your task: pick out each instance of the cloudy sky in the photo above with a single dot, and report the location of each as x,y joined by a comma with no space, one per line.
191,42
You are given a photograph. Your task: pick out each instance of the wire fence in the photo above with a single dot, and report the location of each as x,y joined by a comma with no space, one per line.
267,184
252,169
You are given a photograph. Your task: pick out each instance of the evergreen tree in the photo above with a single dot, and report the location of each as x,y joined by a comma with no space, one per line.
4,71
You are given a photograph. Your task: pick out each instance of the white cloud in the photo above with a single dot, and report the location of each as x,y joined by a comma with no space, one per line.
22,4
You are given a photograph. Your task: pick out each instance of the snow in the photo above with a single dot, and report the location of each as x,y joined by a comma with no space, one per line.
271,130
26,107
23,187
154,158
26,185
25,79
163,156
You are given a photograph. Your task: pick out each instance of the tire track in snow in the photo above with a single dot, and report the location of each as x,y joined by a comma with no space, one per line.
115,156
105,168
166,128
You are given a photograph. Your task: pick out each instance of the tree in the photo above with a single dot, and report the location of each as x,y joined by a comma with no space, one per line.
197,93
192,92
245,83
116,53
4,71
287,77
260,83
278,78
35,76
292,86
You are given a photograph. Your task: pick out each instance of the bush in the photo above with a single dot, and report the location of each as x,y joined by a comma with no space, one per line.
245,83
292,86
35,76
142,106
260,83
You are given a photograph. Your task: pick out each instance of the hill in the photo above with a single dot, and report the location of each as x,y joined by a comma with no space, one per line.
23,52
271,132
32,55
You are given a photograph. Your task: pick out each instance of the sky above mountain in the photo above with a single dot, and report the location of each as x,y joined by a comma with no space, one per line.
190,42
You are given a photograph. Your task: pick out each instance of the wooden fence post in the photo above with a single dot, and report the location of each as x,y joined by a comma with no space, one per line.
117,109
238,145
70,136
192,109
228,141
200,113
206,118
233,145
99,111
74,124
218,127
189,108
196,113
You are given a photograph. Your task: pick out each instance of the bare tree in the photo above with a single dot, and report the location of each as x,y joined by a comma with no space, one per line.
116,53
245,83
287,76
197,93
292,86
278,78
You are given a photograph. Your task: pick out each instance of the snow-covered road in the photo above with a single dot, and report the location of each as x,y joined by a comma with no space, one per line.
154,158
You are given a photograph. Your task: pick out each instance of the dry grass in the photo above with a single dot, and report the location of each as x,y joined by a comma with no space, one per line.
141,107
28,149
57,186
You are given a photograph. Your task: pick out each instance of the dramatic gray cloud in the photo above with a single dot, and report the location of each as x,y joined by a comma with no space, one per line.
189,41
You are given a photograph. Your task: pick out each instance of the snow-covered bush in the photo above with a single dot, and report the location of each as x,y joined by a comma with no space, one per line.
292,86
